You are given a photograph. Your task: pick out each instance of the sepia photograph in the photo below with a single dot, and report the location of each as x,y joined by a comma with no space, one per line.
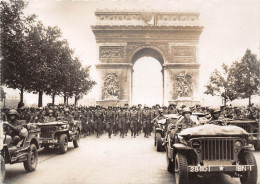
130,91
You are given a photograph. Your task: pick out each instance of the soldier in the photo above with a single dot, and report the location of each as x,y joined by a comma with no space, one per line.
109,120
98,119
215,117
122,121
89,121
40,115
134,118
50,117
185,121
67,117
172,108
14,129
146,121
165,110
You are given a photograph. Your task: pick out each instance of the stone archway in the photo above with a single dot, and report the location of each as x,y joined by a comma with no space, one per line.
147,51
170,37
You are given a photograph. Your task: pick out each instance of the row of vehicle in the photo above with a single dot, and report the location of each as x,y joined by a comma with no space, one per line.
34,138
209,149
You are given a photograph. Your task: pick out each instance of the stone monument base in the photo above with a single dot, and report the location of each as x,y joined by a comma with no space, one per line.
185,101
113,103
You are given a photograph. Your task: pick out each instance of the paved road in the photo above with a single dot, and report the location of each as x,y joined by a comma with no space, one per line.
104,160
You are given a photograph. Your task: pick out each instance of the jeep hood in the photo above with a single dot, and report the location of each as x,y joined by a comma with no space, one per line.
54,123
211,130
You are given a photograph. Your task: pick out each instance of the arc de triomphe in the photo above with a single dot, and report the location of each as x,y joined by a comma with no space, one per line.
123,37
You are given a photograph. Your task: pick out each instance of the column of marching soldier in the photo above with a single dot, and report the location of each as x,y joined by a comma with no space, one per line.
118,120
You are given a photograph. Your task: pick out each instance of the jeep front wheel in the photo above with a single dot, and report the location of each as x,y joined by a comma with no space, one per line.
249,176
32,159
170,164
76,141
181,169
63,143
159,142
2,170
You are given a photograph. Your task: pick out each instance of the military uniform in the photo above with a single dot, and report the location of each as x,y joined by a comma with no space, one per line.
146,121
122,118
109,119
98,119
134,118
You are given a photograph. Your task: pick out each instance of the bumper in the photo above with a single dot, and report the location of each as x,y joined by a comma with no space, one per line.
227,168
49,141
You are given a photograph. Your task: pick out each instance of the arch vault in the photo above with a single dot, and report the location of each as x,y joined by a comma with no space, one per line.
123,37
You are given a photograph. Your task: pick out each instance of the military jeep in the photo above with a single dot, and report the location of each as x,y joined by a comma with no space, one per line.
25,151
209,149
58,134
161,128
252,127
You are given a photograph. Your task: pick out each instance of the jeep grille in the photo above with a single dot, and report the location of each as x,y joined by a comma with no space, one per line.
217,149
46,132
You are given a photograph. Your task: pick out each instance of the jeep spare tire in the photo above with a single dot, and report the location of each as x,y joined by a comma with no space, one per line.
32,159
63,143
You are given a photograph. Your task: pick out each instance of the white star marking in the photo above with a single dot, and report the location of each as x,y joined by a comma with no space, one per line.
221,168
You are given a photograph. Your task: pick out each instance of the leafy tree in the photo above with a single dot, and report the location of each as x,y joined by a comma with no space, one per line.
245,75
220,85
15,26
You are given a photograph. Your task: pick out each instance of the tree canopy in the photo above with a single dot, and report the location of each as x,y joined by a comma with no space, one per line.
36,58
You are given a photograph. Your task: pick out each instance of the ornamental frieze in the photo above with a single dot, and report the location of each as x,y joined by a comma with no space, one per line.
184,51
111,52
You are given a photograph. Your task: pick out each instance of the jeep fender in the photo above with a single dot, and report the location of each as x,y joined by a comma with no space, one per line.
159,130
58,133
178,147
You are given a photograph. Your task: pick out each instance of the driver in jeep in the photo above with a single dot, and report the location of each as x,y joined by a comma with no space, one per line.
184,122
14,132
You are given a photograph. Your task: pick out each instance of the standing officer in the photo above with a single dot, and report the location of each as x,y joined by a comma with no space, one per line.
115,126
134,117
109,120
146,120
98,119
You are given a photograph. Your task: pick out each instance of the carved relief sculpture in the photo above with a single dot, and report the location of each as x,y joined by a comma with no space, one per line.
111,52
111,87
183,85
184,51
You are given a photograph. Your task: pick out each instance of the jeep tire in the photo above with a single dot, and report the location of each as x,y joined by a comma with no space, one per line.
170,164
159,146
249,177
2,179
181,169
63,143
32,159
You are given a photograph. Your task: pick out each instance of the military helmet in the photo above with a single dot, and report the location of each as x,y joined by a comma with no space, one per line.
160,110
50,111
164,107
186,110
13,112
66,110
134,106
215,110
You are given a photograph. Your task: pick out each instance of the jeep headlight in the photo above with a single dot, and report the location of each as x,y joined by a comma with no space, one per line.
238,144
195,144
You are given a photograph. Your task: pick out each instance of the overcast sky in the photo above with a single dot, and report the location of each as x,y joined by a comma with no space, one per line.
230,27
